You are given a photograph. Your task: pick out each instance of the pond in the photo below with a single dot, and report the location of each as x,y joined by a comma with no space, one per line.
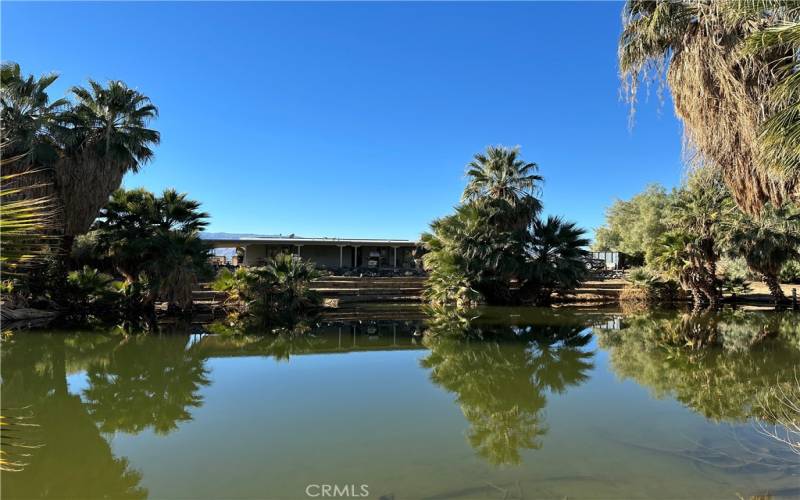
497,403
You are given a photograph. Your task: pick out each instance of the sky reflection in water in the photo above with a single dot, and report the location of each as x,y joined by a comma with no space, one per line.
514,403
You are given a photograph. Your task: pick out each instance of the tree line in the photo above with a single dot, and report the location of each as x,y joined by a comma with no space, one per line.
695,235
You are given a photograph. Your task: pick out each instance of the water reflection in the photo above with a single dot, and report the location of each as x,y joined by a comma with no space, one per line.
501,381
503,367
745,375
74,461
748,356
144,384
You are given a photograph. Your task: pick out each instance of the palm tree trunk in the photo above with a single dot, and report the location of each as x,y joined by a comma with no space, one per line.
774,287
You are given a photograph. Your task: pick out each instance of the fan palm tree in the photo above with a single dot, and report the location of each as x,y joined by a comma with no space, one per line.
155,240
679,256
473,250
780,134
107,137
500,173
26,223
28,118
766,242
100,136
699,210
721,93
557,252
182,261
293,277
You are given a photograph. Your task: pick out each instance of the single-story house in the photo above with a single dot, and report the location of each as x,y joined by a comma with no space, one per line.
326,253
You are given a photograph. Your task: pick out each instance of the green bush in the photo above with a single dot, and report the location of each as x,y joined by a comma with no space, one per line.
646,286
790,273
278,291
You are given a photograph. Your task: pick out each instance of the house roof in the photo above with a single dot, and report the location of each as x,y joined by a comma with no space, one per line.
236,241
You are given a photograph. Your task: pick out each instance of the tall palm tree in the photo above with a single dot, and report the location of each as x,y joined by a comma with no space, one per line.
720,92
780,134
28,118
107,137
99,137
766,242
500,173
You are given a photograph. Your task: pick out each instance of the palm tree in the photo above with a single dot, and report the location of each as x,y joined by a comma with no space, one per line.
720,92
100,137
473,250
26,221
780,134
107,137
155,240
557,252
293,276
766,242
699,210
182,261
500,173
679,256
28,119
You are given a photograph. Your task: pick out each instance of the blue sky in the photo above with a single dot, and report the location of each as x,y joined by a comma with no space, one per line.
357,119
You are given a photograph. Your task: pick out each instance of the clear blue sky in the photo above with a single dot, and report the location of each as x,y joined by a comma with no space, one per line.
357,119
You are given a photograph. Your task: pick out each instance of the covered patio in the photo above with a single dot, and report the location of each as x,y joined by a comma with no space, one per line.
326,253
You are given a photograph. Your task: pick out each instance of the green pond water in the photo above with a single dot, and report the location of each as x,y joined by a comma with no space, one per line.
499,403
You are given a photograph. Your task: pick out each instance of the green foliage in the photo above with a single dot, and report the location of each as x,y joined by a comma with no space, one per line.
682,235
557,258
26,225
735,268
655,350
634,226
646,286
735,285
278,291
475,252
501,376
99,135
766,242
779,134
722,93
88,287
500,174
790,272
155,240
30,121
494,248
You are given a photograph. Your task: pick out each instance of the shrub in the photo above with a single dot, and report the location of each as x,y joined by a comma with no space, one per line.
645,286
790,273
279,290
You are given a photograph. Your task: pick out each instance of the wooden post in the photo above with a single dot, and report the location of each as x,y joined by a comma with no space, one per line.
341,248
395,257
794,298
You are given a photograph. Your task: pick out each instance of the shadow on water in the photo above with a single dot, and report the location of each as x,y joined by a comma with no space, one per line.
501,365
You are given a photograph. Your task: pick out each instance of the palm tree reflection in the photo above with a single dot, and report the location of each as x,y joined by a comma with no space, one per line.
74,461
146,383
500,376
